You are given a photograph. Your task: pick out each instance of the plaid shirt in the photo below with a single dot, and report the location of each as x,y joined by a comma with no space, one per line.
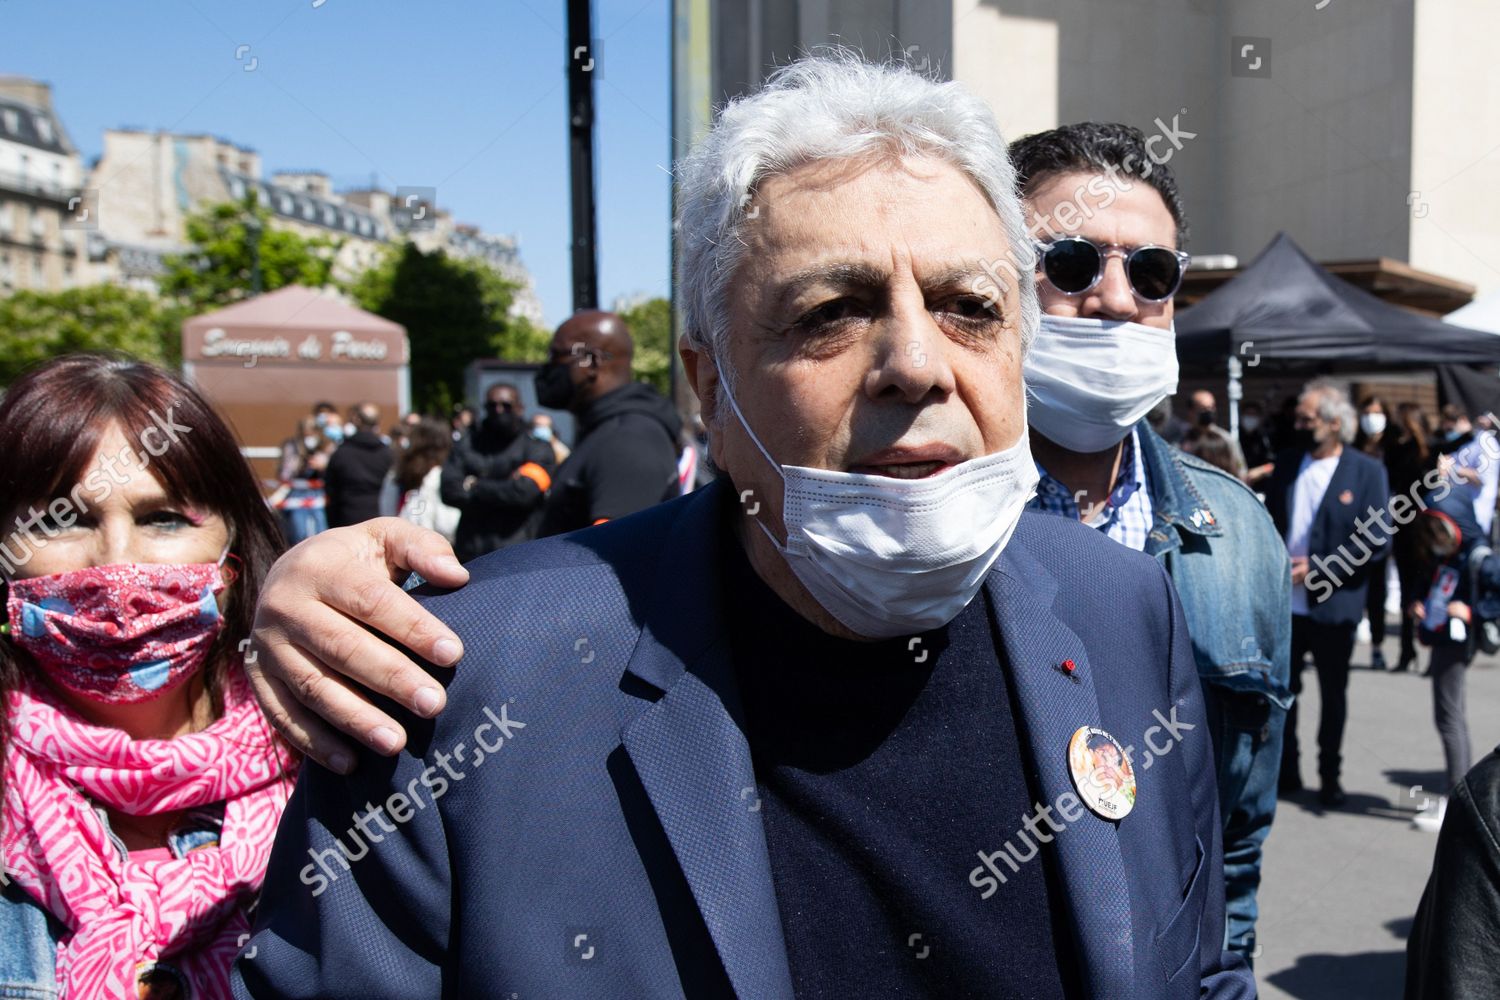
1125,516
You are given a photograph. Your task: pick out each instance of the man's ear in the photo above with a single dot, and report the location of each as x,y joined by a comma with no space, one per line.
703,376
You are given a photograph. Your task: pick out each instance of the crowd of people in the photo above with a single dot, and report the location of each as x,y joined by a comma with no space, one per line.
947,574
1437,569
487,481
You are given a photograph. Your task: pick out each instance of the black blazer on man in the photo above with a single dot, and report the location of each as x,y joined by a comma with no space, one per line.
1340,555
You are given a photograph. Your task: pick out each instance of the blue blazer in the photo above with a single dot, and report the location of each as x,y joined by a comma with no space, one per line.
1336,591
579,822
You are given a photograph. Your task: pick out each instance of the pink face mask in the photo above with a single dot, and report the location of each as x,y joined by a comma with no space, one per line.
120,634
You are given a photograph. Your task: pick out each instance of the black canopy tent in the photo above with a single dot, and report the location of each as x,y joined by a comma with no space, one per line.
1286,311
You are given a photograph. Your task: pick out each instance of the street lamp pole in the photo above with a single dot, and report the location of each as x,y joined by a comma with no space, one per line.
583,63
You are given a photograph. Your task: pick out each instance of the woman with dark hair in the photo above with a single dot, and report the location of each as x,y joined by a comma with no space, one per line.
418,475
1409,455
141,785
301,500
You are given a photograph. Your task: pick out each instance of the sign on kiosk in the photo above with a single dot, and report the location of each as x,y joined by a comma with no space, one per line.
267,361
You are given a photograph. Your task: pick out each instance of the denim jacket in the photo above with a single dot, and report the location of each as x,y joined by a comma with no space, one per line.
29,934
1230,566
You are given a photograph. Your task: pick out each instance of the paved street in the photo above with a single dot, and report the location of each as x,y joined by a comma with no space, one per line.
1340,888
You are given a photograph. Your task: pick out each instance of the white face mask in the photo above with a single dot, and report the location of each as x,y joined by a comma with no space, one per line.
1250,423
891,557
1372,423
1090,381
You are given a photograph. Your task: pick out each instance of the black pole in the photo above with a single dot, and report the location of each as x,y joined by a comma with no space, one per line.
581,68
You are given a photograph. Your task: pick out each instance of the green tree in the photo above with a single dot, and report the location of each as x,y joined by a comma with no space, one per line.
37,326
651,327
219,268
455,312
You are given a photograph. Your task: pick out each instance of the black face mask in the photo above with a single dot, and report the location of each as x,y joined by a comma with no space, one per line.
1205,418
554,386
1303,436
503,423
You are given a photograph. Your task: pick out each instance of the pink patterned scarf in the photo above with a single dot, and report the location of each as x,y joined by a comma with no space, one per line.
125,916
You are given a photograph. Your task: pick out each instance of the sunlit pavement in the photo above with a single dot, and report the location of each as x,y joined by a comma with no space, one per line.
1339,887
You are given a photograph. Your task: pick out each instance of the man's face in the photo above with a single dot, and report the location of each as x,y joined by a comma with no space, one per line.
503,399
570,348
1204,406
856,335
1136,216
1307,419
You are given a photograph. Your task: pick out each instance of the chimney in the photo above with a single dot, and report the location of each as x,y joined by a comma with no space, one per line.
27,91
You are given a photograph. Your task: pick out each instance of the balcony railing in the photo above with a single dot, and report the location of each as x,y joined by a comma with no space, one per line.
37,187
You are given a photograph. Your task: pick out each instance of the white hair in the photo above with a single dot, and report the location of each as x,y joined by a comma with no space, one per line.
1333,404
834,105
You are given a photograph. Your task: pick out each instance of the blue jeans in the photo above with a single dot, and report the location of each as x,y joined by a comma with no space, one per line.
303,522
1247,731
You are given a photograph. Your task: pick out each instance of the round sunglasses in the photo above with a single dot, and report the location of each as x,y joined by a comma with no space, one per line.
1074,265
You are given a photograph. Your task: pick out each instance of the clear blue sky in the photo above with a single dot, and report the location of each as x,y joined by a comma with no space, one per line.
468,97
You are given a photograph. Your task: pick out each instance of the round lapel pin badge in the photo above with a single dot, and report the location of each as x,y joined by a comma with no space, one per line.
1101,773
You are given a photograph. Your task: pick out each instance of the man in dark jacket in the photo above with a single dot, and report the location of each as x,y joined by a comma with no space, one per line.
1454,948
498,475
625,455
1326,500
356,471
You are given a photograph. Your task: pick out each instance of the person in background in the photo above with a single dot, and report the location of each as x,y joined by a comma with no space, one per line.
1105,356
1469,458
625,450
463,421
1255,443
542,430
418,477
300,497
1449,612
498,477
1317,496
141,786
1283,429
400,434
1165,421
1205,413
329,421
357,469
1375,438
1453,950
1214,447
1409,456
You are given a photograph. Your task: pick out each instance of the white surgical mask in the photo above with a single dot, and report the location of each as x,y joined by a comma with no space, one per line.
1090,381
1372,423
891,557
1250,422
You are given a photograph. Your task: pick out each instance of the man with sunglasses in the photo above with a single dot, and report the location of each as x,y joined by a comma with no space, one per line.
497,476
1109,226
625,449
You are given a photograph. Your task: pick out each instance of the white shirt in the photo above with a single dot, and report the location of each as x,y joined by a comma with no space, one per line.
1313,477
1476,455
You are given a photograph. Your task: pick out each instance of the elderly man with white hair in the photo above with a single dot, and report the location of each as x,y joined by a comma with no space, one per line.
849,722
1329,502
